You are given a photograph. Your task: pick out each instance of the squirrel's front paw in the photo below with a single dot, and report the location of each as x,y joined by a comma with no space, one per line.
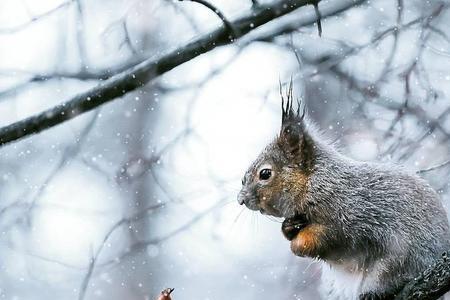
293,225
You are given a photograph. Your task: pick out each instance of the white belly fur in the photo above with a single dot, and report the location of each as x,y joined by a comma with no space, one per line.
337,283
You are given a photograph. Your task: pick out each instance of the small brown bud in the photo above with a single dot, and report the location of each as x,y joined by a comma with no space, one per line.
165,294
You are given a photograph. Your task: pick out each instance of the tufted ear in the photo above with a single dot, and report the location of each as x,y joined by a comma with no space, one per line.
290,139
292,124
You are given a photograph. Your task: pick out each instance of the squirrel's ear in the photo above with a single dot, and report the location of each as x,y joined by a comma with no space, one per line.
290,139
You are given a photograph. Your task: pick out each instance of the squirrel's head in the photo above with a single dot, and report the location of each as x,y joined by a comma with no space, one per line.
276,182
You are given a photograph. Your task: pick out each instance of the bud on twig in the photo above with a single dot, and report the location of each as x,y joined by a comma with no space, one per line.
165,294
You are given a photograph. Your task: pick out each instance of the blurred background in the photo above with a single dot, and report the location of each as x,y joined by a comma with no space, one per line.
140,194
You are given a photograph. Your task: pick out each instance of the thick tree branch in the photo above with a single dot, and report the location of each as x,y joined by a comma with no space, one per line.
83,75
139,75
431,284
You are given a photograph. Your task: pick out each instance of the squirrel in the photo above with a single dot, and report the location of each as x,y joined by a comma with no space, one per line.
375,224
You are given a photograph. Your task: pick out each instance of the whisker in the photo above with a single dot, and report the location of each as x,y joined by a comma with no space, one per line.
236,187
274,219
309,265
231,189
246,218
231,201
254,223
237,217
257,223
234,222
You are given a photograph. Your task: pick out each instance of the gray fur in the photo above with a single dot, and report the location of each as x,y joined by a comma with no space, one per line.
379,216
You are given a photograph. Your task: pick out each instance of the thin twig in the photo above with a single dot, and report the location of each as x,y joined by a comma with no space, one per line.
139,245
80,35
82,75
220,14
318,16
35,19
439,166
93,261
69,153
145,243
84,284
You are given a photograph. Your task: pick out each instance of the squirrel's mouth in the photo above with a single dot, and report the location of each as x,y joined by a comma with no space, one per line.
293,225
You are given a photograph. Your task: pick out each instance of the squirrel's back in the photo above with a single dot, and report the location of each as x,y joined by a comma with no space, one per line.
389,224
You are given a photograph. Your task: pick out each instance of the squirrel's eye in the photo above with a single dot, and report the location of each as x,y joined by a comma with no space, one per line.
265,174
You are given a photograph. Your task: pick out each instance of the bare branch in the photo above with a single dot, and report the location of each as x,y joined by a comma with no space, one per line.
327,10
84,284
93,261
185,14
150,69
83,75
127,39
439,166
145,243
69,153
318,16
396,33
80,34
141,244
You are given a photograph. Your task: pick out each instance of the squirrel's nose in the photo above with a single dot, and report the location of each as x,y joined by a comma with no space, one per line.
240,198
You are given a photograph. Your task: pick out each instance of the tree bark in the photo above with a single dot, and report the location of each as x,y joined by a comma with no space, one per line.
433,283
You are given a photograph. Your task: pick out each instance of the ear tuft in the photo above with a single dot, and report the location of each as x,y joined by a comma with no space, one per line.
289,115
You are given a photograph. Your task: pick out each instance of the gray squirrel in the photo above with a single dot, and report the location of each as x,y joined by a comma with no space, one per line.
373,224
